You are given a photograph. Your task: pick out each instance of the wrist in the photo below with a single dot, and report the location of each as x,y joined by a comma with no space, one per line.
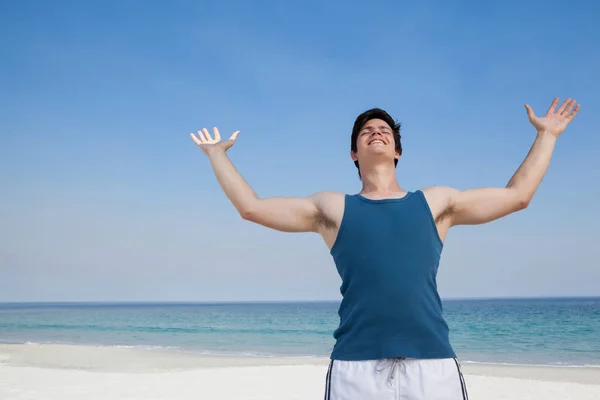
546,135
215,151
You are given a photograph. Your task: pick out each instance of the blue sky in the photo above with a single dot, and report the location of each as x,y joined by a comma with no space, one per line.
105,197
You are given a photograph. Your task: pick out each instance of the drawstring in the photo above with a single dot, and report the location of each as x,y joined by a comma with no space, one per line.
392,363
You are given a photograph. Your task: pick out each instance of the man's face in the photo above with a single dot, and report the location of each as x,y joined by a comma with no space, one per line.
375,138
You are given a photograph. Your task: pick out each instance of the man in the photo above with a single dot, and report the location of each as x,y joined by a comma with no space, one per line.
392,341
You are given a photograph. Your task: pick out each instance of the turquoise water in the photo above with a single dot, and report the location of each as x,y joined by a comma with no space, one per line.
521,331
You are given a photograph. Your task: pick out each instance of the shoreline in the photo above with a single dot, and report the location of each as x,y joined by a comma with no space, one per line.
73,372
190,352
136,360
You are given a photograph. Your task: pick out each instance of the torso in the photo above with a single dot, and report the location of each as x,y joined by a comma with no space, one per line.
386,250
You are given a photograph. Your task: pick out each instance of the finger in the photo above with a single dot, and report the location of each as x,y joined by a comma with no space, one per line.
530,112
552,106
563,106
207,134
217,135
569,107
201,136
575,111
195,139
235,135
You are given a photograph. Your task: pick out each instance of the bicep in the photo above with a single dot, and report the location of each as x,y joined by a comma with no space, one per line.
479,206
286,214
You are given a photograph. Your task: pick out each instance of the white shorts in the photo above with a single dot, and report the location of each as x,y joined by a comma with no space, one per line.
395,379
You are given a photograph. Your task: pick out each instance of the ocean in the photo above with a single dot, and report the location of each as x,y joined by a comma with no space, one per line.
564,331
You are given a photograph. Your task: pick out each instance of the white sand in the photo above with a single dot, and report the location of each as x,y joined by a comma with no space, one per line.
52,372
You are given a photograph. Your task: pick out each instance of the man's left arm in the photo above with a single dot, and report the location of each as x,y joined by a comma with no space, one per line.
479,206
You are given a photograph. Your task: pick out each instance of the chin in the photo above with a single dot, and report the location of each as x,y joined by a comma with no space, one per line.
378,150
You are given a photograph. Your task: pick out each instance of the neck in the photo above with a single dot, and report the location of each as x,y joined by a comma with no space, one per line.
379,179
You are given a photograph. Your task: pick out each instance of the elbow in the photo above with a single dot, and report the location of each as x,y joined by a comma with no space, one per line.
248,212
518,199
522,203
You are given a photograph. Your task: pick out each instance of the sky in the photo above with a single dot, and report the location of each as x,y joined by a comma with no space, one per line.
104,197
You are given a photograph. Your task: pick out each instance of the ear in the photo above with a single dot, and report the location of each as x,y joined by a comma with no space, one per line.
353,156
397,156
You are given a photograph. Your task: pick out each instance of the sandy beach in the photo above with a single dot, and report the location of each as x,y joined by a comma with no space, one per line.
56,372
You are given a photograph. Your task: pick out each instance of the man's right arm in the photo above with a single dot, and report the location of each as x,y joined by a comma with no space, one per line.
284,214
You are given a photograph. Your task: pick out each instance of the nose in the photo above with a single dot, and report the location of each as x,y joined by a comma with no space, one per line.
376,133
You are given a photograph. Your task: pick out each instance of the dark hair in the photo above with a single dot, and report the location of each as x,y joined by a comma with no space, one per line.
375,113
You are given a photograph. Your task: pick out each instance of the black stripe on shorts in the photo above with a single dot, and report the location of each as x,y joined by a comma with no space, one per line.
328,381
463,387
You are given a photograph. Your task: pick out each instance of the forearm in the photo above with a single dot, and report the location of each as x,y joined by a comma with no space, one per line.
237,190
528,177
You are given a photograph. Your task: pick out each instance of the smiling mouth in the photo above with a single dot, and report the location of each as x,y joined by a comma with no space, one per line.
376,141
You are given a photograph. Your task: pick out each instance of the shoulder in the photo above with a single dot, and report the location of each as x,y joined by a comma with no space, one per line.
438,191
441,194
327,197
331,203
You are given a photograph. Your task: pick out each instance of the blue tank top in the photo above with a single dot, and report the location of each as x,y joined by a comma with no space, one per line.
387,253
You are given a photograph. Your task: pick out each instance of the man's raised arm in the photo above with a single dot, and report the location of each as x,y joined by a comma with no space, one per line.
478,206
281,213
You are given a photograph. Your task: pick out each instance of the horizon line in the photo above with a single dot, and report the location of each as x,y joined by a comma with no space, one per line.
279,301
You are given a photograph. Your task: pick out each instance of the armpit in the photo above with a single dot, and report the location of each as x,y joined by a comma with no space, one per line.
324,221
447,212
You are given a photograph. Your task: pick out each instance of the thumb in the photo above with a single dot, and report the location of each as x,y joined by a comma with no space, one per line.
530,112
234,136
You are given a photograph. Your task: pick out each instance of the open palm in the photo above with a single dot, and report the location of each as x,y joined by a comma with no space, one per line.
556,120
208,144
